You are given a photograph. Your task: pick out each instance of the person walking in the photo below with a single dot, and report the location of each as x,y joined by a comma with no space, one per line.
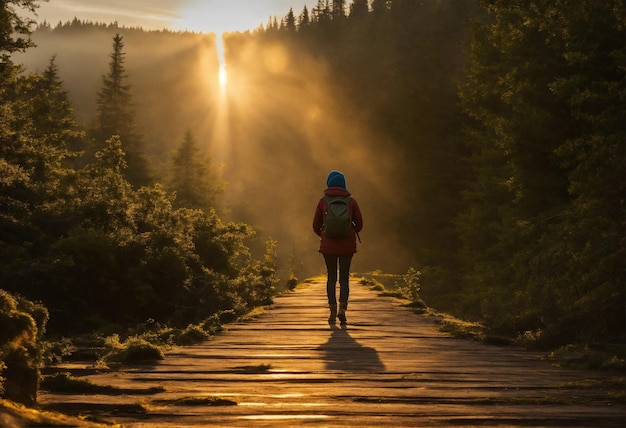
337,246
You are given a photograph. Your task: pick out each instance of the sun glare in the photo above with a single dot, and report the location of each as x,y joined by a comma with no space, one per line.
223,76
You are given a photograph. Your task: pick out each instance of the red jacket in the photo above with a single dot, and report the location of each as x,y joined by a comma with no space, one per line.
342,246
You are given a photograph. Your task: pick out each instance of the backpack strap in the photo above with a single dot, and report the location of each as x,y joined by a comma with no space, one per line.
329,199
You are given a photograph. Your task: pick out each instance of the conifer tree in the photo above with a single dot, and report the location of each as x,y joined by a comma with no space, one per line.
545,151
51,110
322,12
359,8
23,162
303,19
339,9
194,178
116,116
15,28
289,23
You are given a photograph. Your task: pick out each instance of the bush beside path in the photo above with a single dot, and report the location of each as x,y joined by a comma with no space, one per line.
387,367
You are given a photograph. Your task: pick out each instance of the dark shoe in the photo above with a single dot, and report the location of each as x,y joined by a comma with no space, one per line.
333,313
342,313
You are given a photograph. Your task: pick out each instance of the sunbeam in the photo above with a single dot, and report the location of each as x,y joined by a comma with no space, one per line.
223,76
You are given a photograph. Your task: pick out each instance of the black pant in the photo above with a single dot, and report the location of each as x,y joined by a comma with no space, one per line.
344,278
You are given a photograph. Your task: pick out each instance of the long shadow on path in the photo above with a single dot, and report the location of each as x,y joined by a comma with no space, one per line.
344,353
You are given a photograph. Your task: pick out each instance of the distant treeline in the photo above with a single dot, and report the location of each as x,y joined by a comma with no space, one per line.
484,141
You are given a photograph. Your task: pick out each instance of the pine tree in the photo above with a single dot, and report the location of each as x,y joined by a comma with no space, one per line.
321,13
25,160
116,116
289,22
303,19
21,158
51,110
194,179
359,8
545,152
339,9
14,28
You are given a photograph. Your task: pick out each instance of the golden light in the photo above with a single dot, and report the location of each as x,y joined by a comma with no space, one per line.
223,76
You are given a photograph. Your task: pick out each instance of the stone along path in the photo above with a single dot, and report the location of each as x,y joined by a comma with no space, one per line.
389,367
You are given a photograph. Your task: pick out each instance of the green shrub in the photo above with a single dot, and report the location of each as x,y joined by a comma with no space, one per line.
64,382
190,335
54,352
410,285
135,350
372,283
22,324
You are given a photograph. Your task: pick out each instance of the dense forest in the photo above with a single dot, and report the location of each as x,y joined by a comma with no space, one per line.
484,141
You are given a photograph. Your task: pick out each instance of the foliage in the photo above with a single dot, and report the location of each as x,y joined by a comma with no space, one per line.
543,220
583,357
15,33
64,382
380,280
134,350
22,326
111,254
191,334
410,286
18,415
116,116
194,178
460,328
373,284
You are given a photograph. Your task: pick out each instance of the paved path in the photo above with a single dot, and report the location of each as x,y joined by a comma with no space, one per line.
388,367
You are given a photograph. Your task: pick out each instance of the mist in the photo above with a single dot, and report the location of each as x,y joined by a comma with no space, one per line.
172,77
276,130
290,125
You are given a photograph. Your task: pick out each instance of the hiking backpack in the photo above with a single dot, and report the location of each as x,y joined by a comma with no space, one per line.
337,222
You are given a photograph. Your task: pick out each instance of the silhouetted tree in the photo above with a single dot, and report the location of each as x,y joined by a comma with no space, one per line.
304,19
15,29
321,12
339,9
359,8
289,22
380,6
116,116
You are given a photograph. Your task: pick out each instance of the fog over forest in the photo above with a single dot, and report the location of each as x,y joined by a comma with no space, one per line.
275,142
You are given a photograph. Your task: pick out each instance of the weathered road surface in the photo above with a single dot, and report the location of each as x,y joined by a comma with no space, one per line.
388,367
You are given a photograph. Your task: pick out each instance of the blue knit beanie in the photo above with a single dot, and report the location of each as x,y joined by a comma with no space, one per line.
336,179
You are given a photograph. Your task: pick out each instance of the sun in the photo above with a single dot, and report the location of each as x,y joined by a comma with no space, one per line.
223,76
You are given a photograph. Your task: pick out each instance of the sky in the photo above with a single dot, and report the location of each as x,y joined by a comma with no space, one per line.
208,16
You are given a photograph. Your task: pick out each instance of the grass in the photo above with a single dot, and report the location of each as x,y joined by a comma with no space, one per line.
582,356
65,383
135,350
380,281
457,327
17,415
